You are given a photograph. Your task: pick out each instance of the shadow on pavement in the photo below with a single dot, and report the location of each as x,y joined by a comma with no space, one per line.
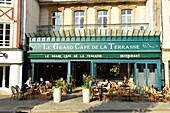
16,105
123,106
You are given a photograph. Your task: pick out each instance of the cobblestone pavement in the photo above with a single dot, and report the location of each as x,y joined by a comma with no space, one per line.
72,103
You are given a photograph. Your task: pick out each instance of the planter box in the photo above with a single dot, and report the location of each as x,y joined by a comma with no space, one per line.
57,95
86,95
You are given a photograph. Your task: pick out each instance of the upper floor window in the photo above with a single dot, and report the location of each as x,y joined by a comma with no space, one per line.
79,19
5,34
102,18
126,17
56,20
6,2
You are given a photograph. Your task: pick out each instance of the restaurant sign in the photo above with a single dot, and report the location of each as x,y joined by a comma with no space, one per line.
96,55
94,46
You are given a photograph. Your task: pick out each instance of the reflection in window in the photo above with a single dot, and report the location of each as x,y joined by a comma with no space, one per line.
103,71
79,18
141,67
102,18
152,67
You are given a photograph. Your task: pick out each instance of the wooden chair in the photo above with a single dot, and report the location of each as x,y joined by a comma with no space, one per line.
44,93
96,93
14,93
111,92
30,92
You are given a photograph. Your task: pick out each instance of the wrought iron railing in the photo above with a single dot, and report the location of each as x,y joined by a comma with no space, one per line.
130,26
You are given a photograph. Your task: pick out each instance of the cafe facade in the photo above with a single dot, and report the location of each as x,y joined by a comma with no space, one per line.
138,56
106,39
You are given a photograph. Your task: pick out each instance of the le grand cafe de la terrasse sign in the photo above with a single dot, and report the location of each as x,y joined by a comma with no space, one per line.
92,49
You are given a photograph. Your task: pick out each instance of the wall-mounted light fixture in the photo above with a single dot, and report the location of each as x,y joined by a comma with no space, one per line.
4,55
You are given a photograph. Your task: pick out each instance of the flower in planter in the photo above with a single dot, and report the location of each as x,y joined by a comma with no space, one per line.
60,84
86,83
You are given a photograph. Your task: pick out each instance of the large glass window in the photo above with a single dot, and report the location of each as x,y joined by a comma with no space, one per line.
79,18
8,2
102,18
4,34
114,71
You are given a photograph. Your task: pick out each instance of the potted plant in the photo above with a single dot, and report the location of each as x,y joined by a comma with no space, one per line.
86,90
57,90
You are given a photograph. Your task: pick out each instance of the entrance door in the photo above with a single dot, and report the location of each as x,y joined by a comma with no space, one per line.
77,70
4,76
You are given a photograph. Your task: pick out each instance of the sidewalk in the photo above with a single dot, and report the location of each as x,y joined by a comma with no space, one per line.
72,103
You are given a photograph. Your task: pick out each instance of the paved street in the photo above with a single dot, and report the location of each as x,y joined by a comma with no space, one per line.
72,103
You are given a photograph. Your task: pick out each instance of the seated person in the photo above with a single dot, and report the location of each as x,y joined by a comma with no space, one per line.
165,90
107,86
125,80
28,83
42,82
92,82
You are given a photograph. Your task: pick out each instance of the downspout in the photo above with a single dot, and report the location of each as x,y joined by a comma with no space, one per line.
162,24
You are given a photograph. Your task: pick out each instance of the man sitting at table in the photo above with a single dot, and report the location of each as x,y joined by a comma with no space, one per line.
92,82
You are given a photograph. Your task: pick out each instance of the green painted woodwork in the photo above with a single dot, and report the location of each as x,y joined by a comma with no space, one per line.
97,55
95,47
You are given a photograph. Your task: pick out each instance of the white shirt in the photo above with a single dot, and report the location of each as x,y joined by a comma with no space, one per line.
28,82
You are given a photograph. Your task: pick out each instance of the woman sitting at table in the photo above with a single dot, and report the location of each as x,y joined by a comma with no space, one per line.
106,86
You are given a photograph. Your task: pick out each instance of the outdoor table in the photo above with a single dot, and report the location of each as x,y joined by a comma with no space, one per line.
127,87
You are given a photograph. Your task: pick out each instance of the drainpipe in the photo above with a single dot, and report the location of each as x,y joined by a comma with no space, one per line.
162,28
162,24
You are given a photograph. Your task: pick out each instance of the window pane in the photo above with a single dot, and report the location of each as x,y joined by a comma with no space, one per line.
129,11
105,20
1,37
128,19
100,20
1,32
7,26
58,14
99,13
104,12
123,11
81,13
76,21
123,19
81,21
7,32
1,26
76,14
53,21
